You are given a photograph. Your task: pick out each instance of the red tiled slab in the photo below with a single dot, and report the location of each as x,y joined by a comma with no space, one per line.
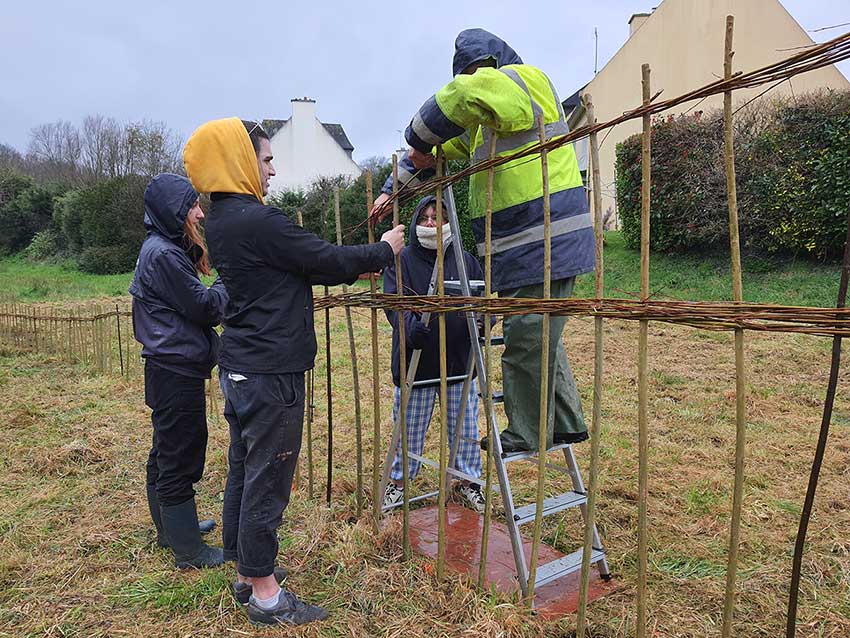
463,552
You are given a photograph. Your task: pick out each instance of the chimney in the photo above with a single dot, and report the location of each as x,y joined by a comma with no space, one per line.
303,110
636,21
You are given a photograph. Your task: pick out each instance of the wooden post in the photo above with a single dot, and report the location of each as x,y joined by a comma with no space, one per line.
120,344
403,390
377,499
329,385
740,373
441,322
542,431
358,432
596,419
309,392
488,368
643,364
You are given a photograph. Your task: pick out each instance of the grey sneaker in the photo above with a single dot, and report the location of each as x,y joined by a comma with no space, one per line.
288,611
472,496
242,591
393,495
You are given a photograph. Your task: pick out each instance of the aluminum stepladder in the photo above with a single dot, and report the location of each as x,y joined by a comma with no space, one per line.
514,516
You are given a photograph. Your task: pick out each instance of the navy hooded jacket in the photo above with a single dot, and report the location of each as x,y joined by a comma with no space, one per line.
173,311
417,265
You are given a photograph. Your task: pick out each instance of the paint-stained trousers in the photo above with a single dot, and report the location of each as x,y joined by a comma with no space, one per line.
265,413
521,372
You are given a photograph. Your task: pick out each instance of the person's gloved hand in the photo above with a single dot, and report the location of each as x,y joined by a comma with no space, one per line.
417,334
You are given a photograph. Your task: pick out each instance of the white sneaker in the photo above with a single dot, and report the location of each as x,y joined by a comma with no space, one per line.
472,496
393,495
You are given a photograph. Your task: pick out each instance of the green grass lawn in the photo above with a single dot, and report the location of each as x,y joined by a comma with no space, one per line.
688,277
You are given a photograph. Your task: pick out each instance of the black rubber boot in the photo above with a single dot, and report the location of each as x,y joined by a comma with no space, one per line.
205,526
156,515
180,523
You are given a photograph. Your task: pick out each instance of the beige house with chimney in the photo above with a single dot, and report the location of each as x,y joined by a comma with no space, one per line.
683,40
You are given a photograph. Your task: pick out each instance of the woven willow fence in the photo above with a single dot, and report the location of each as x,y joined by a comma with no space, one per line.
101,337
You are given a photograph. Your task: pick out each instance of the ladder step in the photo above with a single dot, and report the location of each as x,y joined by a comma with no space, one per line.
453,472
476,286
424,383
496,340
551,506
498,397
421,497
566,565
520,456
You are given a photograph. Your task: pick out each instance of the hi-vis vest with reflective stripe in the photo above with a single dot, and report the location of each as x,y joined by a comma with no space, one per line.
504,102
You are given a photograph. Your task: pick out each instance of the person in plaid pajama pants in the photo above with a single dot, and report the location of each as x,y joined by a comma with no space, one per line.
417,264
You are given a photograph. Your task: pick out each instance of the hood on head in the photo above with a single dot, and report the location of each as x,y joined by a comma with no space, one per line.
476,45
168,198
219,158
425,202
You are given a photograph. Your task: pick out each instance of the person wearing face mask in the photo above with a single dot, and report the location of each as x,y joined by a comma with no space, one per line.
173,318
417,264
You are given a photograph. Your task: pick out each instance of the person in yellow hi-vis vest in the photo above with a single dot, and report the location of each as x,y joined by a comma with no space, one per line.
494,93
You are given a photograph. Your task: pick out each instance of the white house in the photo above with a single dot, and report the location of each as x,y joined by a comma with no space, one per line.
305,149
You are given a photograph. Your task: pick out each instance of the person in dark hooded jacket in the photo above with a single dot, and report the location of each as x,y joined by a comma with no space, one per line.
417,265
173,318
494,94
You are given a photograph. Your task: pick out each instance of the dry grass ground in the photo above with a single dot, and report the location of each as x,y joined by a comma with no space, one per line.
78,558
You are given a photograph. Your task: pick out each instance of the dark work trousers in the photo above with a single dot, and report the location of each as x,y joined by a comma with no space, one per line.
265,413
179,419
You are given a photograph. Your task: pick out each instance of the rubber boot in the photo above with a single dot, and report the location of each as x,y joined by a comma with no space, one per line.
180,523
205,526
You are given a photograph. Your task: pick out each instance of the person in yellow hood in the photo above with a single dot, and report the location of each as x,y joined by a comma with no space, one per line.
268,265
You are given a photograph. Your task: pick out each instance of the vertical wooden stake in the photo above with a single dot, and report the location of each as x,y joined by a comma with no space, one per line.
358,432
643,363
120,344
740,373
488,368
596,419
404,390
329,384
377,499
542,431
444,439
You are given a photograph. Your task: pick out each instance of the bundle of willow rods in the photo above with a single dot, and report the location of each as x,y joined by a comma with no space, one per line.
815,57
708,315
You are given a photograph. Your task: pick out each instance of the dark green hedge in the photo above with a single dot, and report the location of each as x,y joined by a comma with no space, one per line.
101,226
793,178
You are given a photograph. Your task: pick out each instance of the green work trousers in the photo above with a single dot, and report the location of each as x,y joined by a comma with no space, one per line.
521,372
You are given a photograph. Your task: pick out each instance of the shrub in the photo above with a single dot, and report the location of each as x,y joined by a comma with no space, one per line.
104,223
25,209
792,162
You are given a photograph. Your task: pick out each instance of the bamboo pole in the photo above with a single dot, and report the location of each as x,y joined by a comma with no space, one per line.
488,369
120,344
543,423
740,373
820,449
311,406
643,364
441,323
596,419
404,390
358,432
329,384
377,499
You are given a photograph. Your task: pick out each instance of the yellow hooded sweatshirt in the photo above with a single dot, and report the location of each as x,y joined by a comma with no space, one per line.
219,158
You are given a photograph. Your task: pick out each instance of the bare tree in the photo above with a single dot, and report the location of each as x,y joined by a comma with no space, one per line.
101,141
56,147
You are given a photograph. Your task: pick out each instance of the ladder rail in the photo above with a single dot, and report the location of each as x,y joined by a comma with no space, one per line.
494,442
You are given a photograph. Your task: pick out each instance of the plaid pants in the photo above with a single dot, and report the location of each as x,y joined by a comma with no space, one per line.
419,411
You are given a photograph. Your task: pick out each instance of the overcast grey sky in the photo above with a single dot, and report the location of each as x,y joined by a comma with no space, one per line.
368,64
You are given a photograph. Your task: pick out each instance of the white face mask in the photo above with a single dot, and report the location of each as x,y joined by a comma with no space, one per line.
427,236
